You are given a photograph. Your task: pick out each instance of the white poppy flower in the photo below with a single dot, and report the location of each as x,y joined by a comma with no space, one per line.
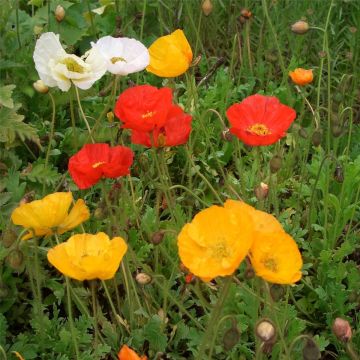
58,68
123,55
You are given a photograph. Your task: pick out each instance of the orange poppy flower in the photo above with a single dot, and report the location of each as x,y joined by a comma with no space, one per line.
301,76
170,55
126,353
216,241
276,258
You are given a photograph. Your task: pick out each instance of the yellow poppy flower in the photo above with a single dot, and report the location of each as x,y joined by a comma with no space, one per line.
50,215
88,257
262,221
276,258
215,242
170,55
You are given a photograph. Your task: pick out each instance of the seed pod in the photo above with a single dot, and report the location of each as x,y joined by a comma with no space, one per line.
207,7
227,135
40,87
342,329
311,350
275,164
316,138
300,27
262,191
15,259
336,130
143,278
8,237
265,331
303,133
231,337
59,13
157,237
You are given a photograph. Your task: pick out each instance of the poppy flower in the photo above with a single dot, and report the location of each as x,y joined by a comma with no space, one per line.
126,353
276,258
175,131
95,161
301,76
216,241
88,257
123,56
57,68
50,215
260,120
170,55
144,107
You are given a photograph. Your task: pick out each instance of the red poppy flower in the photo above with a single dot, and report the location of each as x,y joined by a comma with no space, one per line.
260,120
175,131
95,161
143,107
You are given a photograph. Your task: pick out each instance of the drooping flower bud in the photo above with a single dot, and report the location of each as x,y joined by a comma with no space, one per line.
37,30
143,278
157,237
262,191
336,130
40,87
15,259
339,174
303,133
316,138
231,337
265,331
300,27
207,7
8,237
59,13
342,329
275,164
227,135
311,350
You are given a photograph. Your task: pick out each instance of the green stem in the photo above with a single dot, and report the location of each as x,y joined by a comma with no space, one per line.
94,305
351,352
17,24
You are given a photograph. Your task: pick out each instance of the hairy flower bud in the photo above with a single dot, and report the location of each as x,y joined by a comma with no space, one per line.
40,87
157,237
59,13
15,259
227,135
300,27
316,138
265,331
339,174
143,278
262,191
231,337
207,7
311,350
8,237
303,133
342,329
275,164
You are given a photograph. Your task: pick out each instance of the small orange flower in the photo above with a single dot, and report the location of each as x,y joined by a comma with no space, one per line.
126,353
301,76
170,55
216,241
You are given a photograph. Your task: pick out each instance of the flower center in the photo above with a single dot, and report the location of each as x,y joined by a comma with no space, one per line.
220,250
270,264
161,140
259,129
115,59
72,65
148,114
96,165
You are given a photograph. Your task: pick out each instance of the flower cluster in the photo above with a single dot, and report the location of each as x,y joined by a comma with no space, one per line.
220,237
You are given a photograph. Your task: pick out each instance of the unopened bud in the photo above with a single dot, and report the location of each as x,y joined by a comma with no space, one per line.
322,54
227,135
246,13
15,259
8,237
342,329
336,130
275,164
277,292
300,27
265,331
339,174
311,350
59,13
303,133
262,191
190,278
40,87
231,337
37,30
316,138
143,278
99,213
207,7
157,237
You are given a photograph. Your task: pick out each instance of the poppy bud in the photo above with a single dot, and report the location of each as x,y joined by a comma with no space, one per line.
15,259
300,27
336,130
40,87
162,316
265,331
353,29
227,135
316,138
110,116
190,278
59,13
303,133
4,291
322,54
342,329
275,164
246,13
157,237
8,237
143,278
144,162
277,292
207,7
311,350
231,337
262,191
37,30
99,213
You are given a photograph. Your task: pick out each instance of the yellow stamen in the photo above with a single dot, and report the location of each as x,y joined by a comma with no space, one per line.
220,250
72,65
270,264
96,165
161,140
259,129
148,114
115,59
